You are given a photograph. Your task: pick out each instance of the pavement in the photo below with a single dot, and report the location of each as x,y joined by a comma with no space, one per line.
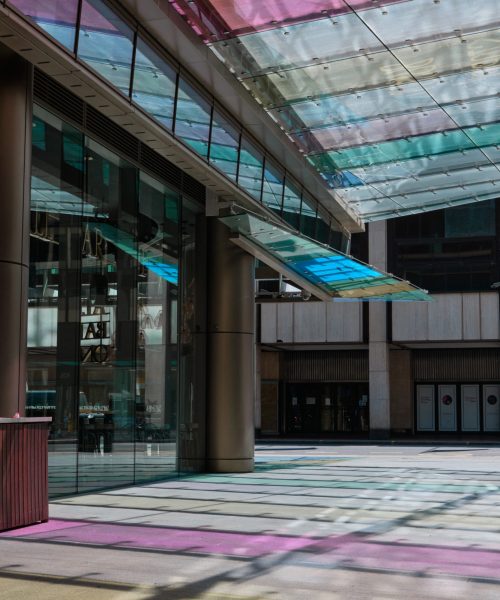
323,522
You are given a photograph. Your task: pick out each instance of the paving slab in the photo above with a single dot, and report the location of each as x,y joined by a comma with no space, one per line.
326,522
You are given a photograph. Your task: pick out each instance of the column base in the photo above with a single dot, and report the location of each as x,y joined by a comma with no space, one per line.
192,465
228,465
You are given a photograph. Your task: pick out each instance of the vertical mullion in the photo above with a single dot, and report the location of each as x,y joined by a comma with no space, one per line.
238,159
262,179
77,26
300,209
283,195
176,99
209,149
132,66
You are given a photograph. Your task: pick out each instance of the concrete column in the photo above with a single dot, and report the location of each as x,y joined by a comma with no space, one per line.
16,85
230,354
378,350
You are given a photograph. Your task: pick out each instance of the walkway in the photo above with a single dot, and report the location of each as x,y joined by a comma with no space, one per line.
325,522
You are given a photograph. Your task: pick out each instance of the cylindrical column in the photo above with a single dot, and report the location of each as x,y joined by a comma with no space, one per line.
16,84
230,354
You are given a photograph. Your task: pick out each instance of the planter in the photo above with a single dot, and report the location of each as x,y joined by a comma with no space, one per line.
24,498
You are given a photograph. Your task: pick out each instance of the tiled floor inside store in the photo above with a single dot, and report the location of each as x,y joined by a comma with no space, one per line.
325,522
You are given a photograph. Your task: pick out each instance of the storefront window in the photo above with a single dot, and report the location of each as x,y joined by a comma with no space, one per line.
103,312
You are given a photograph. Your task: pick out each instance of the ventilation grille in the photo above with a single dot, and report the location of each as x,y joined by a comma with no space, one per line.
53,94
193,188
322,366
160,166
57,98
481,364
108,130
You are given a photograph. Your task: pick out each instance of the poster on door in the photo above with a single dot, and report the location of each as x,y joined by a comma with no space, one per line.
447,398
425,408
491,407
470,408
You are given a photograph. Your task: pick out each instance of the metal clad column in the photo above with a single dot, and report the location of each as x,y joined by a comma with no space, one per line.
16,85
230,354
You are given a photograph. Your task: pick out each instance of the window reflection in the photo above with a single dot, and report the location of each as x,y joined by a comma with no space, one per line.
105,43
57,18
192,121
272,191
224,146
103,305
250,169
154,85
291,204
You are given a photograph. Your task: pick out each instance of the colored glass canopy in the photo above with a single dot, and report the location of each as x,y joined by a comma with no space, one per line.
394,102
319,269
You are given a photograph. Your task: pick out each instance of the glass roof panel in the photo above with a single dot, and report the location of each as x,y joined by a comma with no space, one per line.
224,18
388,211
331,272
361,72
351,108
298,45
475,112
424,145
441,19
448,179
395,103
463,86
375,130
419,167
451,55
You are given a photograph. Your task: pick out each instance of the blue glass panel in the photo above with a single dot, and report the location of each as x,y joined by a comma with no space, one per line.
350,108
105,43
192,120
154,84
330,271
58,19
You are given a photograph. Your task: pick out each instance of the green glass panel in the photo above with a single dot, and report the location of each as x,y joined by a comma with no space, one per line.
425,145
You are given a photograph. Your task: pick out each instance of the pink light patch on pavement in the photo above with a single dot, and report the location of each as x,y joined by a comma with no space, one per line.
351,550
41,528
167,539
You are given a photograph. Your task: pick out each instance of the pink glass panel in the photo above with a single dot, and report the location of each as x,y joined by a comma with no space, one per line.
235,17
377,130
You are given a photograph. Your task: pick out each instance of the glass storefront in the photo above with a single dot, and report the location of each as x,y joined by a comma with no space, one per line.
327,408
104,315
